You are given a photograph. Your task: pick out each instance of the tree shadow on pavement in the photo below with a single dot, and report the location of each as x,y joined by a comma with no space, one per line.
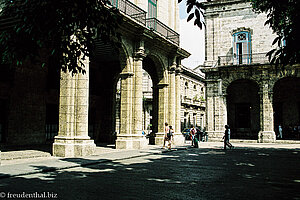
186,174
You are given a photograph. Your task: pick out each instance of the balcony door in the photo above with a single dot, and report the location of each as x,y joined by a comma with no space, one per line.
241,48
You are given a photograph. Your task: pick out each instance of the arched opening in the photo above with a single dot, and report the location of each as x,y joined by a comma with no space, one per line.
150,102
286,101
104,73
243,109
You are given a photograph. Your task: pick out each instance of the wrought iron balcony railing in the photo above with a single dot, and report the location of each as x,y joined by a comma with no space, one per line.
244,59
159,27
130,9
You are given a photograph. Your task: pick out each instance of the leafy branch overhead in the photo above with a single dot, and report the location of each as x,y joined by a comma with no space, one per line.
195,10
283,19
59,30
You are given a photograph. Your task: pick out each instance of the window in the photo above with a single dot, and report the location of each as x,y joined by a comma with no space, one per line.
152,8
242,48
114,3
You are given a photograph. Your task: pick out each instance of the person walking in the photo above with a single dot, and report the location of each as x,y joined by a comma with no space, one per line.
192,135
165,134
280,131
170,135
226,137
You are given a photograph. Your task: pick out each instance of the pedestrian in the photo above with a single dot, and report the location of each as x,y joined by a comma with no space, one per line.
280,131
192,135
170,135
226,137
165,134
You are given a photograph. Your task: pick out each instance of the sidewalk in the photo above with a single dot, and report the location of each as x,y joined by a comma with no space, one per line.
32,165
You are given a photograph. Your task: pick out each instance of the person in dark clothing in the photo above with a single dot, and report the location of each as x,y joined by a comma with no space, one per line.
226,137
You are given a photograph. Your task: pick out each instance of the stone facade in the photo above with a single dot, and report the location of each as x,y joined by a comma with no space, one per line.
83,106
192,99
243,89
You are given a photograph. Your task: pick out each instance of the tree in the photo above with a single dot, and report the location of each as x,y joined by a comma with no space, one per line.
195,10
283,19
61,30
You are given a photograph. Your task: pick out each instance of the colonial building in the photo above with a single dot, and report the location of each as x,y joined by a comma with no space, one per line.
192,99
37,103
243,89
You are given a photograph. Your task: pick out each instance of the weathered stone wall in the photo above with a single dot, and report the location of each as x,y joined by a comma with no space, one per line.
222,18
27,96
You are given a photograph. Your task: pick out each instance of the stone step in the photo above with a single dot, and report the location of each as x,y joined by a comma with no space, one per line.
23,154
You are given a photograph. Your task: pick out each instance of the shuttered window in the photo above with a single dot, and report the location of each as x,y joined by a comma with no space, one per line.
152,8
242,48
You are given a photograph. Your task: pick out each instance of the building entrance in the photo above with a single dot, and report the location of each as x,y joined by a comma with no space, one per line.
287,108
243,109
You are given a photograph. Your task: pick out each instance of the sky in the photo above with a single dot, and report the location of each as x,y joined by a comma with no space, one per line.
191,39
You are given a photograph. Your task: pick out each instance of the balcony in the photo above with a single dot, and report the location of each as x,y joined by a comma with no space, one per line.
131,10
162,29
244,59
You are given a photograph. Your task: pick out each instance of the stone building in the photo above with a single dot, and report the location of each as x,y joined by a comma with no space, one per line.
38,103
192,99
243,89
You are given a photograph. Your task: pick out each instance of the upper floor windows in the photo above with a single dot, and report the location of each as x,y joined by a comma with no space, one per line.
242,47
152,8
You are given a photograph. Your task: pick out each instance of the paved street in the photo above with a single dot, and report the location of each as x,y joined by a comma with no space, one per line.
246,172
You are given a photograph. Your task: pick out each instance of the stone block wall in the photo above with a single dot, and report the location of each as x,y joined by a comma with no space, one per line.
223,18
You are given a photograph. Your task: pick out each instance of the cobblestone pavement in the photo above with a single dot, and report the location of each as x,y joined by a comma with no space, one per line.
246,172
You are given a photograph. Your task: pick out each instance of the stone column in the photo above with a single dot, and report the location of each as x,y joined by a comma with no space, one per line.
216,112
266,133
124,137
162,112
178,99
178,137
133,139
172,95
73,139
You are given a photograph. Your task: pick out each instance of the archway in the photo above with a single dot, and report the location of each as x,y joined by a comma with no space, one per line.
243,109
286,101
105,69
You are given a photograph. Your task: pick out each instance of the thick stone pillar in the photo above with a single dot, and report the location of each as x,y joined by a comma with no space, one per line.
131,137
216,111
124,137
172,96
178,100
266,133
173,110
162,112
73,139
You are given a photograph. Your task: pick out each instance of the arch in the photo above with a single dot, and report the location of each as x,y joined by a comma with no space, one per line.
235,77
286,104
243,109
160,65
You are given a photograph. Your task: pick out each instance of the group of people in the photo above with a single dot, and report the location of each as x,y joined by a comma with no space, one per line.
168,136
169,133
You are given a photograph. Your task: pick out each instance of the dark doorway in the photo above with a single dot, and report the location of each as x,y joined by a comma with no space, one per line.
243,109
286,98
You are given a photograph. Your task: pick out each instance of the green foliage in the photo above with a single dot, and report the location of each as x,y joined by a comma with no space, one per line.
195,10
61,30
283,19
